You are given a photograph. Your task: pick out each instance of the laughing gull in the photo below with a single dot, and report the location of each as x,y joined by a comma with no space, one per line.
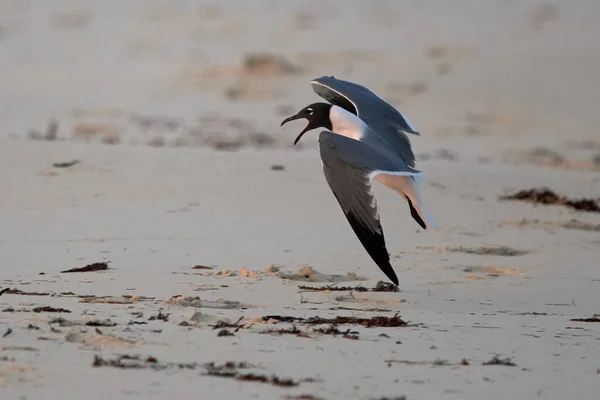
366,138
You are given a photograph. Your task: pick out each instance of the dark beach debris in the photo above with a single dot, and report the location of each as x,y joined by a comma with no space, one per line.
491,251
159,317
97,266
359,309
372,322
201,267
277,167
331,330
66,164
32,327
595,318
132,322
24,293
101,322
8,332
231,370
334,330
229,366
301,397
125,361
224,332
4,291
282,318
224,323
390,398
138,362
547,196
273,379
438,362
380,287
49,309
498,361
385,287
62,322
288,331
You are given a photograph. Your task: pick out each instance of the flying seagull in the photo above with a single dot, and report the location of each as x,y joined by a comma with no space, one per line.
366,138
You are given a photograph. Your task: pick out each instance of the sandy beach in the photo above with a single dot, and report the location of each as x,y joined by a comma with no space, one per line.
142,140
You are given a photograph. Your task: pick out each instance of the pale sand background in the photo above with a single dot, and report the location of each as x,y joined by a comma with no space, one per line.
505,93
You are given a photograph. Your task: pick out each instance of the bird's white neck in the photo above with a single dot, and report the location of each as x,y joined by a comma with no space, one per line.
346,124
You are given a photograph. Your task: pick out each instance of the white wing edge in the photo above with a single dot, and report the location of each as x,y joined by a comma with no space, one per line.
408,122
395,173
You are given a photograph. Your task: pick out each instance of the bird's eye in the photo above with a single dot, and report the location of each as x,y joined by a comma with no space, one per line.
309,111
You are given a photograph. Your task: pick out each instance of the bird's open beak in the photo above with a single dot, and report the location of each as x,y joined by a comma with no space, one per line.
295,117
292,118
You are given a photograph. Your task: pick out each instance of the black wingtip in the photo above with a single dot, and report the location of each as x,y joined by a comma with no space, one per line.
374,243
389,272
415,215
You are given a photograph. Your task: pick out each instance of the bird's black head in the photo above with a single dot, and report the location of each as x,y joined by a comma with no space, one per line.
317,115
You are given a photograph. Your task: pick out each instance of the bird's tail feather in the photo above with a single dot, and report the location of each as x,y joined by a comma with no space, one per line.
425,216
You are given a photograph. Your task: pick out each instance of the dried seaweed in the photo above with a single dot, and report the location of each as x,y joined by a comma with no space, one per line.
391,398
62,322
547,196
378,321
334,330
201,267
491,251
289,331
438,362
230,370
159,317
138,362
595,318
282,318
222,324
50,309
498,361
66,164
98,266
273,380
380,287
97,322
23,293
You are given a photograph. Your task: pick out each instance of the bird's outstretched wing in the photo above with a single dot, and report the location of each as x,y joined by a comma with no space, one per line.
349,166
389,124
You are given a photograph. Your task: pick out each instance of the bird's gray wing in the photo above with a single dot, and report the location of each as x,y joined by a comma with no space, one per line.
349,166
389,124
